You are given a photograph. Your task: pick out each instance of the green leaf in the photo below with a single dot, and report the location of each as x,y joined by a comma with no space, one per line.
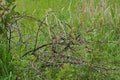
10,1
1,30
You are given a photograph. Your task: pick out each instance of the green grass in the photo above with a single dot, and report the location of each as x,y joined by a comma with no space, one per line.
96,20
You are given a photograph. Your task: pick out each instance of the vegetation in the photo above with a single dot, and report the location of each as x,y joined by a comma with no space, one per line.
59,40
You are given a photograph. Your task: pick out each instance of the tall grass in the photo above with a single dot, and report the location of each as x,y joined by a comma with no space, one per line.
6,67
6,12
96,20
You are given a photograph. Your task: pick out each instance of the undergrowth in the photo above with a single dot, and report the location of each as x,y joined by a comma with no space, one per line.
60,40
